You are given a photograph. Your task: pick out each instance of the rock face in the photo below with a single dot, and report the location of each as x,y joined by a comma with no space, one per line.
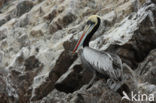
23,7
147,68
36,42
2,2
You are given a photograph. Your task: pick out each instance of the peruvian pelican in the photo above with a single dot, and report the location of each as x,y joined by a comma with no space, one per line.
105,63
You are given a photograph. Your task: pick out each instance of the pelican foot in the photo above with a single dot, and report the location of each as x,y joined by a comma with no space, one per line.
88,86
114,85
128,73
81,93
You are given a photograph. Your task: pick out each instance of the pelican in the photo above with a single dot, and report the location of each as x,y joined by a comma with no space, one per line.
99,62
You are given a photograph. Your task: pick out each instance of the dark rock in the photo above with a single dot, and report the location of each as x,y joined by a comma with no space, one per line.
23,7
61,21
2,21
69,81
55,11
15,73
3,34
52,14
54,26
31,63
69,45
68,18
36,33
62,64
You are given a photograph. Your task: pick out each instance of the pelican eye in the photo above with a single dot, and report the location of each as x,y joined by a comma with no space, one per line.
90,22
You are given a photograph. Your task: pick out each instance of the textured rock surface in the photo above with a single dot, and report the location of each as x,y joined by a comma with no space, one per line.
2,3
147,68
37,38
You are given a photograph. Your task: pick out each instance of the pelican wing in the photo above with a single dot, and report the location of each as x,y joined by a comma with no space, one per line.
104,63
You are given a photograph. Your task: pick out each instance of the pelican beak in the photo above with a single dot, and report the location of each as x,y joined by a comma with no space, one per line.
87,30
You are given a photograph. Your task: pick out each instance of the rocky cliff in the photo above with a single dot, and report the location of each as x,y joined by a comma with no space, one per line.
37,38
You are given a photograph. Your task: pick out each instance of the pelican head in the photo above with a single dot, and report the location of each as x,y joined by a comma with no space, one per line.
90,28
